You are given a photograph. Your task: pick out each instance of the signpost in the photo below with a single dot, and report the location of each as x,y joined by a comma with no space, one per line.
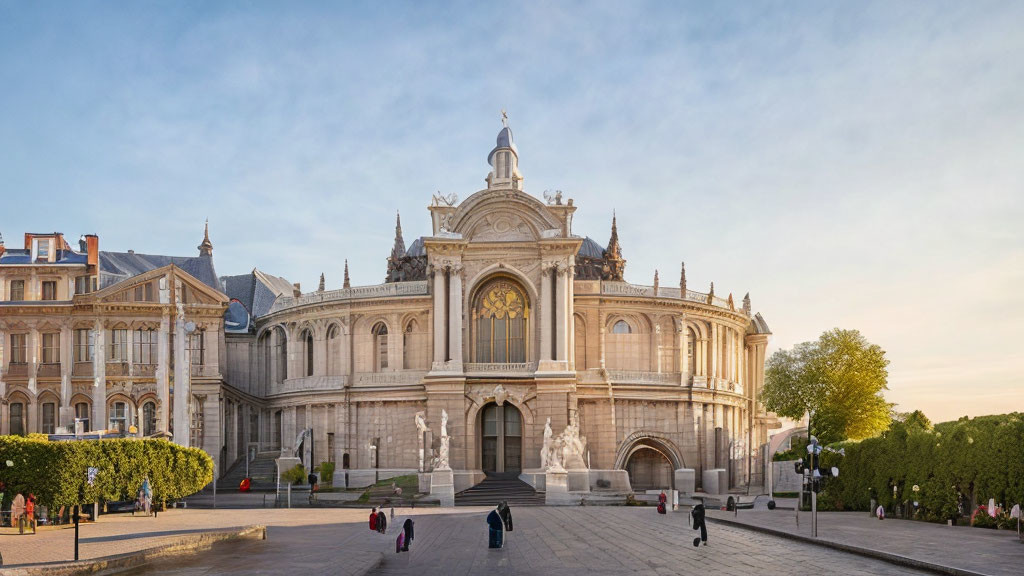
90,477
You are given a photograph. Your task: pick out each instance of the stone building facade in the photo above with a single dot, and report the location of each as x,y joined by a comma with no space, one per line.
503,318
103,338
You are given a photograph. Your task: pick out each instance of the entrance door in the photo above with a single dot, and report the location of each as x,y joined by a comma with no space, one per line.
501,449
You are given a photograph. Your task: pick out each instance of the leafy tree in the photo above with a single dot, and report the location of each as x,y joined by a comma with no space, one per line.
837,379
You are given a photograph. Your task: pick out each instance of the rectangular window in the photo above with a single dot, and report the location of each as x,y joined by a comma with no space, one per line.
82,413
145,347
17,419
144,292
51,348
119,416
84,284
84,345
196,432
49,423
43,249
19,348
254,426
17,290
117,343
49,290
195,347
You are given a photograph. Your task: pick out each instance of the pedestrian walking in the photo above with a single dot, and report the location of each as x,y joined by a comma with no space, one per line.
407,530
662,500
30,512
18,513
880,512
506,515
698,524
494,529
373,519
382,522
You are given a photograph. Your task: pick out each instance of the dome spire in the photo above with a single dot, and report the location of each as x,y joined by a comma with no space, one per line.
504,160
398,250
206,248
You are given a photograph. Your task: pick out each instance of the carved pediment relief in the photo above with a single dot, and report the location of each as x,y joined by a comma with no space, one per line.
502,216
502,227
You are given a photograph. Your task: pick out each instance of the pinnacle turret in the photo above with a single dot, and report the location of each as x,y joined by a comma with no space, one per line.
347,284
206,248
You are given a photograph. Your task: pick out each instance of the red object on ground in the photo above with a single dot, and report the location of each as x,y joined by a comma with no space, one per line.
245,485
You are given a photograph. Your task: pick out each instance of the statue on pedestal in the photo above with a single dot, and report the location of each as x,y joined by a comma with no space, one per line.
442,457
545,451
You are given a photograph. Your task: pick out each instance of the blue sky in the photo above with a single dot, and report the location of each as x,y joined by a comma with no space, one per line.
853,165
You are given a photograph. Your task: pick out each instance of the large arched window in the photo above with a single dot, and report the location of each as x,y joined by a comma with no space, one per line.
501,314
414,346
281,353
333,368
622,327
691,346
380,346
307,356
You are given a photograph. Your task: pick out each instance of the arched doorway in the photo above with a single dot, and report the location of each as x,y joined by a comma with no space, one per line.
501,439
649,469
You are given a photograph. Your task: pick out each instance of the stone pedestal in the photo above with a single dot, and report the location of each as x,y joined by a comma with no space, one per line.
715,481
686,480
579,480
442,486
557,489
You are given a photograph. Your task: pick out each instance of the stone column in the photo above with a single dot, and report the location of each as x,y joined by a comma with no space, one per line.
163,368
396,344
713,354
65,411
183,384
99,384
439,316
602,320
545,312
561,311
455,316
682,362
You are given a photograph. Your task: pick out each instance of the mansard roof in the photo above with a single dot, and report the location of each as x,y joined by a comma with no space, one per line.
118,266
256,291
16,256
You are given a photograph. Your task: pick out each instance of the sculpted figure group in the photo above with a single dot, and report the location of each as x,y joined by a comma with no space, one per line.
564,451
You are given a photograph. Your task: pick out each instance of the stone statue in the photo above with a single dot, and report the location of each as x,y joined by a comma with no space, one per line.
545,450
442,457
420,424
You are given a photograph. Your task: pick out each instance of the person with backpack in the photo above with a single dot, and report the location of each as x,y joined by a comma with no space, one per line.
698,524
494,528
662,500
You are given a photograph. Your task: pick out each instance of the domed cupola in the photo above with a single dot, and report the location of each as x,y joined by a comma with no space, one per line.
504,160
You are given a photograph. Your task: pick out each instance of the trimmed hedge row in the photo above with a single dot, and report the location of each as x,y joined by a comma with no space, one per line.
56,472
974,459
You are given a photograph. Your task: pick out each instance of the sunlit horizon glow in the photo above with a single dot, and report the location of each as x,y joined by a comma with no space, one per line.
853,166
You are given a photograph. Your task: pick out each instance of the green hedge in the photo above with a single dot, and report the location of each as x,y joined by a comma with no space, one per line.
980,458
56,471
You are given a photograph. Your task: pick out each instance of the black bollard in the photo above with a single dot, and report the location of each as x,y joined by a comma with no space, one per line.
76,517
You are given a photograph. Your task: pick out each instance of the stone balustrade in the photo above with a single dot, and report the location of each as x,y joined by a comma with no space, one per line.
309,384
82,370
48,371
500,368
405,377
116,369
642,377
610,288
17,370
415,288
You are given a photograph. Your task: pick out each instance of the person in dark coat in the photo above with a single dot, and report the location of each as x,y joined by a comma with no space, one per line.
407,527
382,522
506,515
494,524
698,524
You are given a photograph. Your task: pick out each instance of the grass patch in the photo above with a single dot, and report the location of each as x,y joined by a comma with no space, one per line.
409,484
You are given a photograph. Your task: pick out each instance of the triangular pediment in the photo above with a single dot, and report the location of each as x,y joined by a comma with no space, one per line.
145,289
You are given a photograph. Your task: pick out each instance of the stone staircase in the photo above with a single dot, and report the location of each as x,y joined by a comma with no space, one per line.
262,471
495,489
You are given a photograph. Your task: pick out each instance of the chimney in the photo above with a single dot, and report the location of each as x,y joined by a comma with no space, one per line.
92,244
296,289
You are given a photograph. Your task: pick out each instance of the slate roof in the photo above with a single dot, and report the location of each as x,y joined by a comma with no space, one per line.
416,249
118,266
256,290
590,249
24,256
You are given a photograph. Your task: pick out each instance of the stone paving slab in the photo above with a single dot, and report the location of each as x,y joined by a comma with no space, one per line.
569,541
949,549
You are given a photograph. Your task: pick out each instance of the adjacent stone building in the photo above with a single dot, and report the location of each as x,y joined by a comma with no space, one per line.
503,318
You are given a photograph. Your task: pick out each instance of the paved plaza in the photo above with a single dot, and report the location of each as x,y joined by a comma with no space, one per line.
547,540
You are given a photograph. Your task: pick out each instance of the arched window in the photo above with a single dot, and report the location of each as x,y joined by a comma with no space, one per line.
407,343
628,346
307,343
281,347
82,413
622,327
501,315
17,418
380,346
691,344
332,350
48,417
149,419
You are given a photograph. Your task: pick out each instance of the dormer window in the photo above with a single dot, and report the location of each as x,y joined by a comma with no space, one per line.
44,249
